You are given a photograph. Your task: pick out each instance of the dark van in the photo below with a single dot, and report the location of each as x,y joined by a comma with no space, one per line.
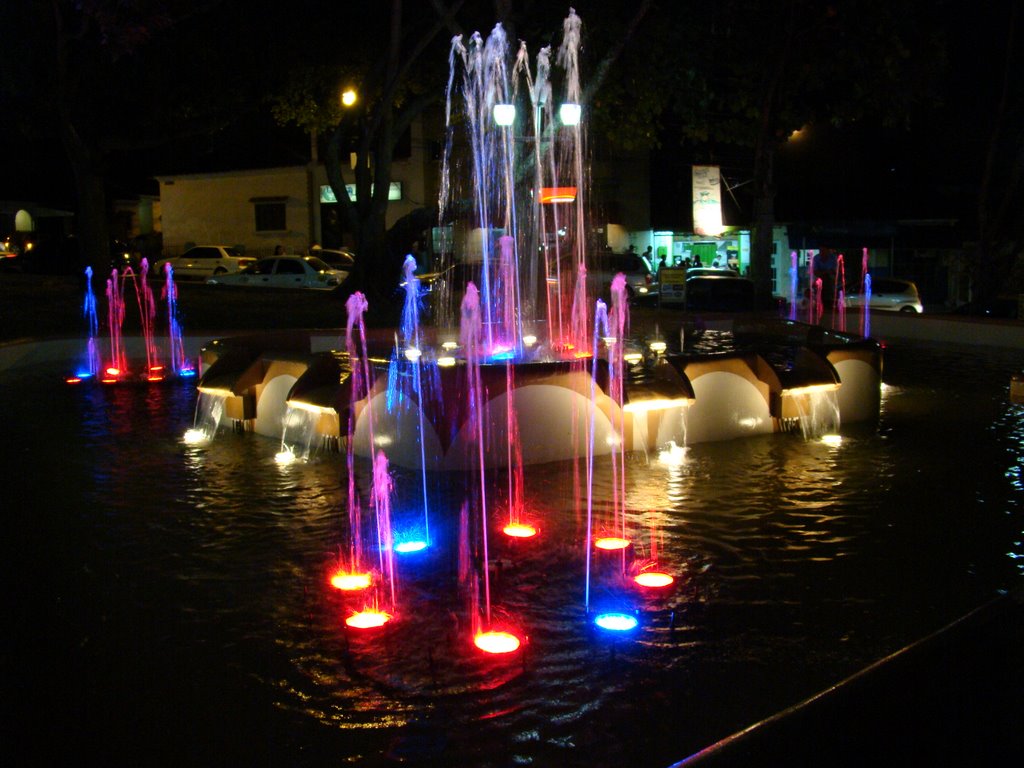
719,293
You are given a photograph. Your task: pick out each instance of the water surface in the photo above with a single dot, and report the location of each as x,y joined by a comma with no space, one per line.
168,604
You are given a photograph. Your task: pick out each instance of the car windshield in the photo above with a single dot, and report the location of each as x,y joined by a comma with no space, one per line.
318,264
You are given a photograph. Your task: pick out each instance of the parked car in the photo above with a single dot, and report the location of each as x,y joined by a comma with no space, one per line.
672,281
336,258
202,261
640,282
890,295
719,293
284,272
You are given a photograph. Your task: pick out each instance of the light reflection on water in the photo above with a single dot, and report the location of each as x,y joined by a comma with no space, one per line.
189,583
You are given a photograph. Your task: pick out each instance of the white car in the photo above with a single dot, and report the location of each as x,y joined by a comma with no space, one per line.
890,295
639,281
202,261
284,272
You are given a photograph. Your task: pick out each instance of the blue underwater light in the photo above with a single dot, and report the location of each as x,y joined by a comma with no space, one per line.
616,622
406,547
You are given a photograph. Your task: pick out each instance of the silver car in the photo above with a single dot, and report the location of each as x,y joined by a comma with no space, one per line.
284,272
203,261
889,295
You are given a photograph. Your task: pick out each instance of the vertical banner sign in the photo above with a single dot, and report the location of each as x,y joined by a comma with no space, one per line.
707,201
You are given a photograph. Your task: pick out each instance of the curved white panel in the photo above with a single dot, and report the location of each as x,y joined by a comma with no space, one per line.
553,425
271,407
398,435
861,391
726,406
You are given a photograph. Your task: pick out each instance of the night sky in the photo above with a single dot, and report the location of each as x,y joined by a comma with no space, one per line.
858,171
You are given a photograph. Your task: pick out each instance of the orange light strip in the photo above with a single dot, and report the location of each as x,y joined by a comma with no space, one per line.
557,194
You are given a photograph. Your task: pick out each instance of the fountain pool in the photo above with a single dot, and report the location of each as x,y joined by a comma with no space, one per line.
171,601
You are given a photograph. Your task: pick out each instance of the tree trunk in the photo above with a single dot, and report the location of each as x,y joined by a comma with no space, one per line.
92,224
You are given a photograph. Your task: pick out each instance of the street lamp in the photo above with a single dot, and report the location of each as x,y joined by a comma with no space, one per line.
504,114
569,113
348,97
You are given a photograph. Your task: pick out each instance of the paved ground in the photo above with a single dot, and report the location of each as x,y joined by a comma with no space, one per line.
955,698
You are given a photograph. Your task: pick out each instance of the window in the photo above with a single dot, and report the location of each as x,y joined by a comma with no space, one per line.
270,214
289,267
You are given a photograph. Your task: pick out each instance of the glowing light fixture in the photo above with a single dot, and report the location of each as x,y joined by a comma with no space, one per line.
558,195
653,579
449,345
611,543
672,455
369,619
348,97
529,340
73,380
410,546
616,622
519,530
658,346
446,362
810,389
496,642
285,456
654,404
412,354
569,113
632,357
350,582
504,114
832,440
194,436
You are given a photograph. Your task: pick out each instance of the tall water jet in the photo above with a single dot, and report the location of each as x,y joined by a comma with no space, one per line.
117,365
413,354
794,280
352,566
169,293
866,310
506,250
812,313
609,329
839,296
92,362
865,292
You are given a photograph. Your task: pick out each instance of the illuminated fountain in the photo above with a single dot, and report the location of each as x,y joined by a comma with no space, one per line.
535,368
117,366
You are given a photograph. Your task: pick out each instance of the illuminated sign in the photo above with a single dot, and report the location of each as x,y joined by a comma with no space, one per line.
707,201
327,194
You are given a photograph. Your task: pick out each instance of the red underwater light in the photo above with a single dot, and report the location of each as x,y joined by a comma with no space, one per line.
369,619
350,582
611,543
519,530
653,579
496,642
